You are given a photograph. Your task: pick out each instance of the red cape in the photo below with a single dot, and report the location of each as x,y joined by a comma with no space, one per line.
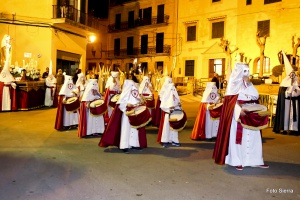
198,132
59,114
82,125
222,142
157,113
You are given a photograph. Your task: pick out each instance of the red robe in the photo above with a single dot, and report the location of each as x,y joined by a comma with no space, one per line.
222,142
13,96
198,132
157,113
59,121
82,125
161,125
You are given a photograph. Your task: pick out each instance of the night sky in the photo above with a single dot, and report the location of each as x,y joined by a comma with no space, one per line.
100,8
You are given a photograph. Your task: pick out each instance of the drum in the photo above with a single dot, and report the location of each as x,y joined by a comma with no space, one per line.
139,116
256,117
215,110
113,100
98,107
177,120
150,101
72,104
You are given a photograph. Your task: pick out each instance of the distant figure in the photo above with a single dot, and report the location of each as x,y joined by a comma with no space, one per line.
216,79
50,88
46,73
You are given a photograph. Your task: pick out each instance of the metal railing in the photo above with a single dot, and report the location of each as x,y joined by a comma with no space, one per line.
137,23
138,52
71,13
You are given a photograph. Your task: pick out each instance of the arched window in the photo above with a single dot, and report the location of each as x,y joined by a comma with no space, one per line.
266,65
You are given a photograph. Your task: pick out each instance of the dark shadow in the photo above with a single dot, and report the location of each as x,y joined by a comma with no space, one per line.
279,170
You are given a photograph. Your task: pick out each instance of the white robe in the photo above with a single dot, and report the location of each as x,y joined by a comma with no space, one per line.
249,153
211,126
48,97
129,135
6,101
70,118
95,124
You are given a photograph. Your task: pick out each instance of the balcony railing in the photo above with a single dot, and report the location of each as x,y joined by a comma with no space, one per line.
137,23
71,13
138,52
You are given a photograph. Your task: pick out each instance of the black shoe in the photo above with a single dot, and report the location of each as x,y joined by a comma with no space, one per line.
137,148
125,150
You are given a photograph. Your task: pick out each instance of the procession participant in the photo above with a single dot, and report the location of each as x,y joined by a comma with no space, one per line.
157,115
170,101
50,83
205,126
80,84
8,92
112,87
238,145
89,123
119,132
287,102
146,90
66,119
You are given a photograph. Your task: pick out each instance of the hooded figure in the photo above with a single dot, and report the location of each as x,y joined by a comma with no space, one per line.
81,84
206,126
288,102
119,131
8,86
64,118
157,112
112,87
50,83
146,90
238,145
90,124
169,101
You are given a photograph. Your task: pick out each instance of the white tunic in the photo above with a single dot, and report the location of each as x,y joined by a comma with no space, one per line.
249,153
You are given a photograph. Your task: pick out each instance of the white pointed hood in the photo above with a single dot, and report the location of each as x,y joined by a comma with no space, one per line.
67,87
88,94
210,94
145,86
129,95
287,81
5,75
167,81
170,97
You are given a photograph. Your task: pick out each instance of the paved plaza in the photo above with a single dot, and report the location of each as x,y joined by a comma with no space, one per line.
39,163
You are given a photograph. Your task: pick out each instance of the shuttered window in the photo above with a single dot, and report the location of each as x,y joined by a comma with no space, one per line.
191,33
263,27
217,30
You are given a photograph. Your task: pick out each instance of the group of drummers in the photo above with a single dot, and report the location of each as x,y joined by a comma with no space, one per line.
122,114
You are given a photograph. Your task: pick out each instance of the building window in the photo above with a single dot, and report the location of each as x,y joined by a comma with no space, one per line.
130,19
266,65
118,22
217,30
189,67
216,66
117,47
160,13
146,15
160,67
144,44
191,33
263,28
248,2
129,45
214,1
159,42
271,1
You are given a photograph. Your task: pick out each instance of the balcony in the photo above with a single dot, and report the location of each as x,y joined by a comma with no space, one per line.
137,53
74,18
123,26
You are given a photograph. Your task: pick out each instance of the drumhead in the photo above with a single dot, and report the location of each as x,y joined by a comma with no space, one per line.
254,107
115,98
140,109
176,115
71,100
97,103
